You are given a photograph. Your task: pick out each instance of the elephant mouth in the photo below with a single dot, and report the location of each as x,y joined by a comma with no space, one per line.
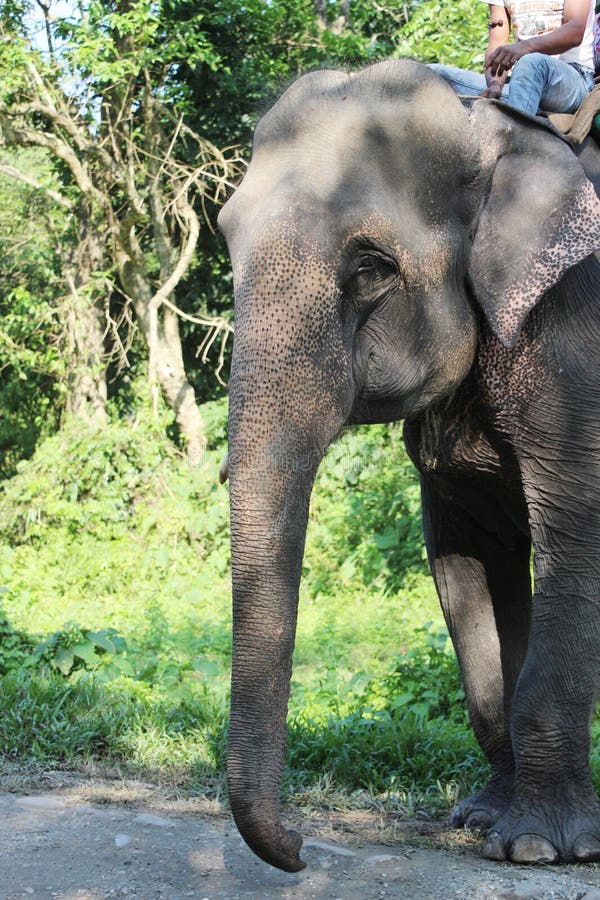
372,409
389,383
374,405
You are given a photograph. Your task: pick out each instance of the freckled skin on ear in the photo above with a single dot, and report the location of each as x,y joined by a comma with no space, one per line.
397,256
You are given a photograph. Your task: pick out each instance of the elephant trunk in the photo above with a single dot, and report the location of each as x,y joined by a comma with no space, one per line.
269,512
289,396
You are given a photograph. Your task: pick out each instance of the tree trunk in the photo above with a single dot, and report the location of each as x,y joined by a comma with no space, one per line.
339,24
165,368
85,323
160,327
86,380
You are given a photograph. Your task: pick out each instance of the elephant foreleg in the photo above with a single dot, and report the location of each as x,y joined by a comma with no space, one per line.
554,814
483,581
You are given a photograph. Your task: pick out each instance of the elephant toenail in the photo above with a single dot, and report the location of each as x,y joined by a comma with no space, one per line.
531,848
494,846
586,847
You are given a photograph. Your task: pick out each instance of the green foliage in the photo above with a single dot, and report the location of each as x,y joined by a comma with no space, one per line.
366,515
405,728
15,647
31,368
425,681
53,720
112,41
384,753
215,424
86,477
452,33
74,649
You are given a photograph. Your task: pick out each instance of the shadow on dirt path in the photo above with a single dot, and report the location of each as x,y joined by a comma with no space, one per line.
59,846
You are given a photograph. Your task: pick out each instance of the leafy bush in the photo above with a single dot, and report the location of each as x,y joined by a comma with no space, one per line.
425,681
215,414
366,514
405,729
74,650
86,478
15,647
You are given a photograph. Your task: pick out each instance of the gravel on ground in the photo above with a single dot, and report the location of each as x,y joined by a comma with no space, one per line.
62,845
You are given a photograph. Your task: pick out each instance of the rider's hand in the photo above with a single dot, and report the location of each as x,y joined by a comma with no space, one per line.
504,57
493,91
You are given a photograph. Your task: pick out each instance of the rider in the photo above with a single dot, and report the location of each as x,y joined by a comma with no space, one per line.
549,65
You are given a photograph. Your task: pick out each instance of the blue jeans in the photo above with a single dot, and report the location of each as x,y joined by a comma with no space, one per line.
537,82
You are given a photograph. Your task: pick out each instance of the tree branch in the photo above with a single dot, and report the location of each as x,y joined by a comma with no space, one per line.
27,137
187,251
66,122
12,172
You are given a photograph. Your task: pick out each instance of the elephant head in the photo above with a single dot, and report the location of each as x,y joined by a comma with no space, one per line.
381,226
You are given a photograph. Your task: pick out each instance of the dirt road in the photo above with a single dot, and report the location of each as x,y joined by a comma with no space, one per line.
63,845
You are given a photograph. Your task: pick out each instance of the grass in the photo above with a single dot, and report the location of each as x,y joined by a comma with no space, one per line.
114,581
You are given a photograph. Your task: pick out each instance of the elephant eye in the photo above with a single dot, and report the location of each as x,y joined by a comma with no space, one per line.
376,265
366,265
369,272
371,277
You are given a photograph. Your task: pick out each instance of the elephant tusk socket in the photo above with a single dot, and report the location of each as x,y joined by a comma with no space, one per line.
224,470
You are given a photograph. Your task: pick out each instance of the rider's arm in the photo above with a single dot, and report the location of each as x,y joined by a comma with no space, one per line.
568,35
499,26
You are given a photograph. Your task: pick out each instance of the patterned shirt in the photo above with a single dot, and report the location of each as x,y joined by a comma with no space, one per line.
530,18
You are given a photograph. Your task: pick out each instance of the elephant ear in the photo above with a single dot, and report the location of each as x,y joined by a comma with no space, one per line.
538,217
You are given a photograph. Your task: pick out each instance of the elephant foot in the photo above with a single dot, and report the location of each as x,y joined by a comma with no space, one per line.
559,830
481,810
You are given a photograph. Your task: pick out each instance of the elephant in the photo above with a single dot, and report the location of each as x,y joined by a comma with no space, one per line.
398,255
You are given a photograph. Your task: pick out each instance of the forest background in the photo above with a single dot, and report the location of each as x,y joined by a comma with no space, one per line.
123,126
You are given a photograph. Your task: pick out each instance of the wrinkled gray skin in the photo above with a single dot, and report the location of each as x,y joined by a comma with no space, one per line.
397,256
